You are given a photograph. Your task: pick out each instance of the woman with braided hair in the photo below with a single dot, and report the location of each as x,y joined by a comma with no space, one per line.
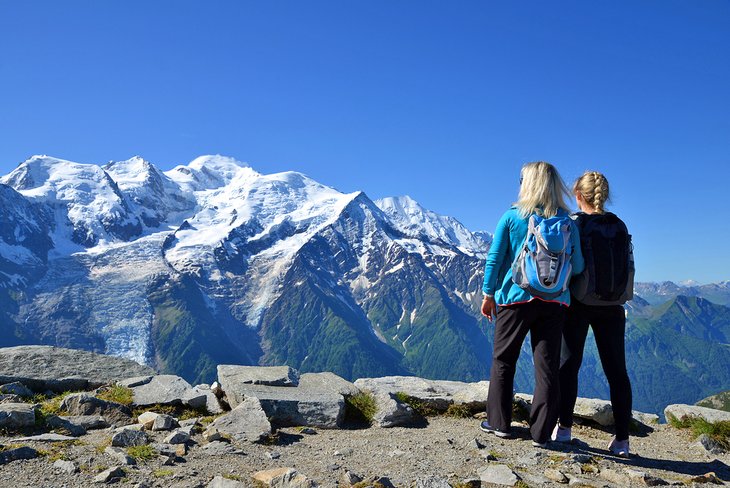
597,297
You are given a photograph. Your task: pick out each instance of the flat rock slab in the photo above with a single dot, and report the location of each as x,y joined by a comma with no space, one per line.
203,397
15,416
246,422
234,379
498,474
438,394
46,438
162,389
16,388
43,368
282,478
681,411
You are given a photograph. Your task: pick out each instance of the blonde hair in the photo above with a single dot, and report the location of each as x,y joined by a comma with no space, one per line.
593,187
542,190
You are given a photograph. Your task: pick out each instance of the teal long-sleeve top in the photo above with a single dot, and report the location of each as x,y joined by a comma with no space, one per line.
507,243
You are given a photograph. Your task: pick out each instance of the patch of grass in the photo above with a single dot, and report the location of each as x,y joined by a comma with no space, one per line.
360,407
207,420
719,432
458,411
48,406
231,476
557,458
161,473
422,408
99,468
178,411
11,446
106,442
495,454
142,453
117,394
521,484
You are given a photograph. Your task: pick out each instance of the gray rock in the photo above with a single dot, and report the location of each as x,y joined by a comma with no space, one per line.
177,437
221,482
349,478
162,389
316,402
616,477
498,474
16,388
67,467
246,422
644,478
217,448
202,397
61,423
437,394
680,411
705,443
42,368
328,382
16,416
157,421
645,418
120,456
194,422
46,438
87,422
17,454
10,398
432,482
135,381
86,404
125,437
109,475
391,412
556,476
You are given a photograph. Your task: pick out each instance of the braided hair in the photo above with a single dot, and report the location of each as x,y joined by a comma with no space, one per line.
593,187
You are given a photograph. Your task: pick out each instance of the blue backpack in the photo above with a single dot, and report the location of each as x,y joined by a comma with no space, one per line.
543,265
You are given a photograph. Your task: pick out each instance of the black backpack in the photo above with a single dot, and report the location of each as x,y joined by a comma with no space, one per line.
608,278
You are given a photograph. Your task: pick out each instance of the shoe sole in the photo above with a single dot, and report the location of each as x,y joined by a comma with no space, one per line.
501,435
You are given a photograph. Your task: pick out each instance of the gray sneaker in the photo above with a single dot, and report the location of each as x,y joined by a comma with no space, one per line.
562,434
491,430
619,448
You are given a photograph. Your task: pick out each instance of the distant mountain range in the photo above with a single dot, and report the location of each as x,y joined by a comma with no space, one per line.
213,262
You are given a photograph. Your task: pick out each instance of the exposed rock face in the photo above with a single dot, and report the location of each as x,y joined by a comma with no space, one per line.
234,379
680,411
283,478
126,437
43,368
437,394
160,389
246,422
16,416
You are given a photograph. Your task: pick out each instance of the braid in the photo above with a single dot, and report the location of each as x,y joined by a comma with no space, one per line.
593,186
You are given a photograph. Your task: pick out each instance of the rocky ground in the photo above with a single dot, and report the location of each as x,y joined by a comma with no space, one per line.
446,450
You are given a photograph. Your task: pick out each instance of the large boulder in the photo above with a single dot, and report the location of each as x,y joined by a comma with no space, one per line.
203,397
681,412
84,404
16,416
436,394
246,422
317,400
43,368
234,379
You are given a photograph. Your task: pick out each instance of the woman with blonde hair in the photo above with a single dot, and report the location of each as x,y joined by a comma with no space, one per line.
598,296
520,308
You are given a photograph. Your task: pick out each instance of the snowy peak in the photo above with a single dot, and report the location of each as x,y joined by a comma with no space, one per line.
412,219
209,173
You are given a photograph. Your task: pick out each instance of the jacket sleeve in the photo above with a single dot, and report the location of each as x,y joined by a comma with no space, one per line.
497,254
578,262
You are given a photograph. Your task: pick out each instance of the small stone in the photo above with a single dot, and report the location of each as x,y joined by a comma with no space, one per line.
195,421
471,482
556,475
333,467
65,466
212,435
349,478
273,455
589,468
217,448
165,449
645,478
344,452
384,481
129,437
615,477
490,457
432,482
177,437
308,431
164,422
181,450
581,458
283,477
120,456
499,474
475,444
109,475
168,460
397,453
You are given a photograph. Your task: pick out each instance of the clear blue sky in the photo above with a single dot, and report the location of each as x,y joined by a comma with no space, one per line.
439,100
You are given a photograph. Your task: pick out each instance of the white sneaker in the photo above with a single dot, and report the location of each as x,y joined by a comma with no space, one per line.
619,448
561,434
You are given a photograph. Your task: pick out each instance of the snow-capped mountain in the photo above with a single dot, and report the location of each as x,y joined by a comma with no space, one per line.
214,249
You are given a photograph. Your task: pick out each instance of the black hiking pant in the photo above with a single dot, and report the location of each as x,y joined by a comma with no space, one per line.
609,327
544,321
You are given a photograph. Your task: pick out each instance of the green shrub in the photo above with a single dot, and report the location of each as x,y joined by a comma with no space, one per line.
161,473
360,407
717,431
458,411
142,453
421,408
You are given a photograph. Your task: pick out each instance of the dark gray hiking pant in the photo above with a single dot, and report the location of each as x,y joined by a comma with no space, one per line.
544,321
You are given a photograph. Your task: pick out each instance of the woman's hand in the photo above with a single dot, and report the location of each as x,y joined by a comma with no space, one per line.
489,308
